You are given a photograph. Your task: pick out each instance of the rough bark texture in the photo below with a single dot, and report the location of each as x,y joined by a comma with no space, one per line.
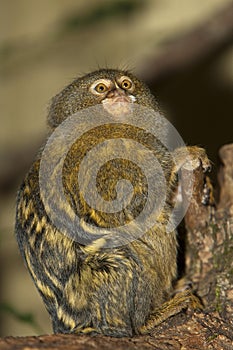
209,265
209,256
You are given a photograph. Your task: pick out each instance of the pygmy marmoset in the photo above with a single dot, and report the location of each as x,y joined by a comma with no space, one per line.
90,286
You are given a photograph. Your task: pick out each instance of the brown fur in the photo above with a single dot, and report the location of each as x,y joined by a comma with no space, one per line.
117,291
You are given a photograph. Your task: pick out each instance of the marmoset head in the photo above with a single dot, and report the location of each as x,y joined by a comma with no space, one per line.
109,87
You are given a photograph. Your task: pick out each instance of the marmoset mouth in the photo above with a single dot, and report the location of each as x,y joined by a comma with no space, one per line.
120,99
118,106
118,103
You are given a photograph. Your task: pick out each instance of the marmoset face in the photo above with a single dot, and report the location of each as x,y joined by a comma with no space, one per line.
116,90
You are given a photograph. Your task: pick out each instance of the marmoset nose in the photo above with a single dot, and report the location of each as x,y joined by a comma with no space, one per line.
116,92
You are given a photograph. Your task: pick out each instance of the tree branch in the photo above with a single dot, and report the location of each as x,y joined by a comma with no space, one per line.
199,44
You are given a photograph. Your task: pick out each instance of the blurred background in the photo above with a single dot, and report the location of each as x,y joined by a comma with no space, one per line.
181,48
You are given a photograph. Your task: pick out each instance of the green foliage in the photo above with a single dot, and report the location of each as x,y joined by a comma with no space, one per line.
24,317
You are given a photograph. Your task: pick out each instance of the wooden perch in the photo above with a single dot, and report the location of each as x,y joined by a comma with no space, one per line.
209,256
226,180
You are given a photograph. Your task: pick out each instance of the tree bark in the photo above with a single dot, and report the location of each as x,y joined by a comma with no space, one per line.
209,265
